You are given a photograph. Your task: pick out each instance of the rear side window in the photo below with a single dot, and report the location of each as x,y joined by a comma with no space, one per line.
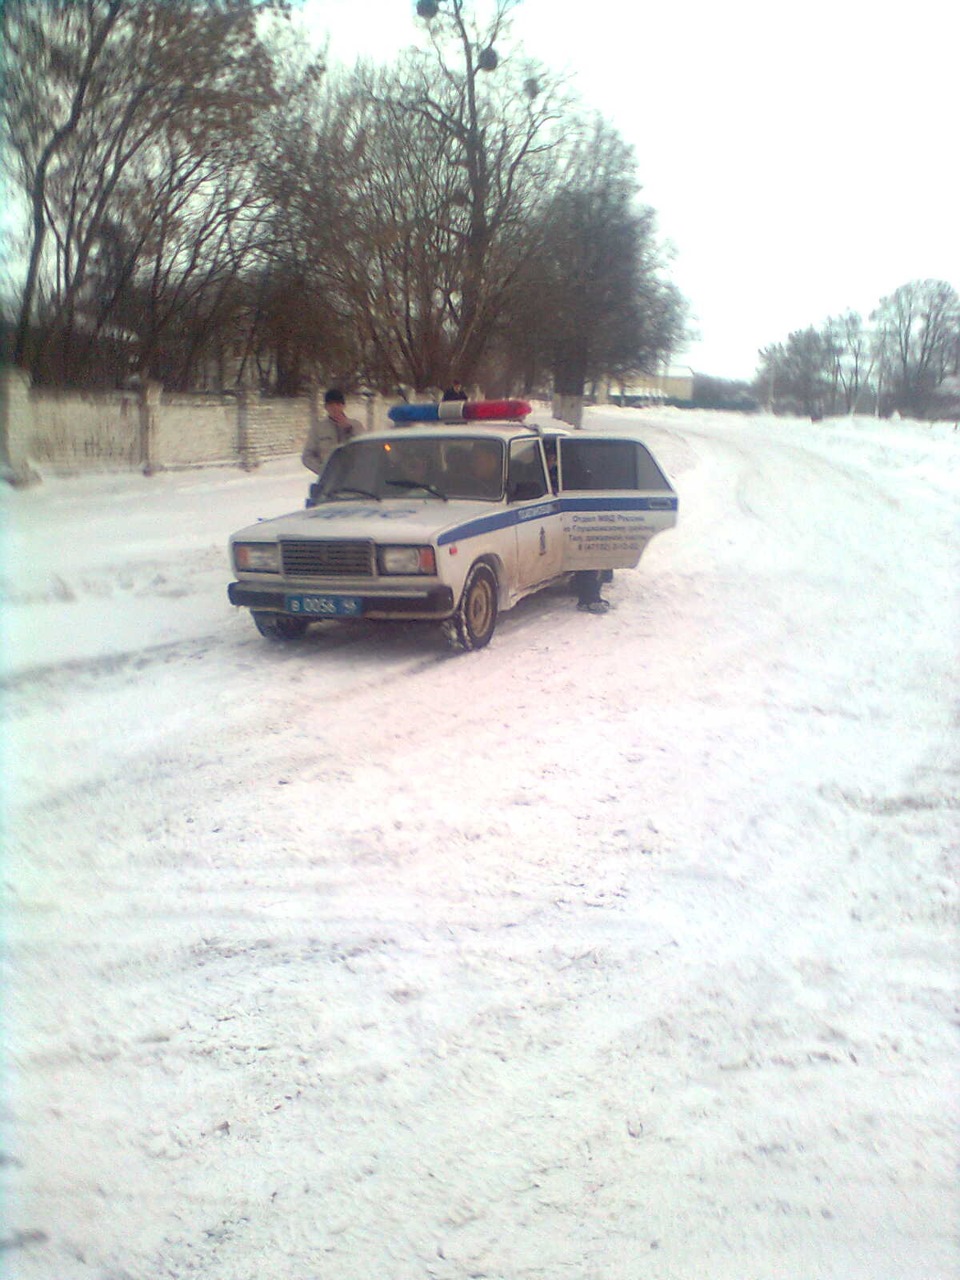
609,464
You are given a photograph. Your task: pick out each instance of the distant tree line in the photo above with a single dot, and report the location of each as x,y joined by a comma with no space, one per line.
732,394
209,204
904,359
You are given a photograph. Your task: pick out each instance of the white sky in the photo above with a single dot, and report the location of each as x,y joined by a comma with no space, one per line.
802,160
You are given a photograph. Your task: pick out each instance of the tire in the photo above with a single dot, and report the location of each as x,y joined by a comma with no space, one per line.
279,626
476,618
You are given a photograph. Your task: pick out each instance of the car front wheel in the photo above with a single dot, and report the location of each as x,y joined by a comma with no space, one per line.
279,626
476,619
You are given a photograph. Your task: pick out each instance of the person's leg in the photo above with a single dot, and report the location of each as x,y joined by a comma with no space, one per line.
587,582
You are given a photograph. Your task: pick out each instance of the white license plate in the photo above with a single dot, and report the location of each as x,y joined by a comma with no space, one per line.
325,606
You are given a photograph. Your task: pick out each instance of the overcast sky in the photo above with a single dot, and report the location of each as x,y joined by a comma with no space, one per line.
803,159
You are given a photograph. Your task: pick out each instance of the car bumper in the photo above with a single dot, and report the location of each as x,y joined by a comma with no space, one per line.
431,602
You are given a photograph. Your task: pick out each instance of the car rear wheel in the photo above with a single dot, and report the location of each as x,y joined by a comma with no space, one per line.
279,626
476,619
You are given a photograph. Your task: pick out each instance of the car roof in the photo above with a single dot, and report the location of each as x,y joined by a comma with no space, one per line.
448,431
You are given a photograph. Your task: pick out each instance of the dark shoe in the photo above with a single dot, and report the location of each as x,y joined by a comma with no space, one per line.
594,606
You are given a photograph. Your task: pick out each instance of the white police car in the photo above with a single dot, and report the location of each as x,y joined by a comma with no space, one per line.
451,523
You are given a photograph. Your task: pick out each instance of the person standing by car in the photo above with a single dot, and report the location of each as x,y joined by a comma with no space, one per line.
455,391
323,437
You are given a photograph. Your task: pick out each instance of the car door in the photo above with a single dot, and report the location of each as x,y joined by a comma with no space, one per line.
538,525
613,499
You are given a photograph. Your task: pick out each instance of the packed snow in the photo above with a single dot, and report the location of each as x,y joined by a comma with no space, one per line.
623,949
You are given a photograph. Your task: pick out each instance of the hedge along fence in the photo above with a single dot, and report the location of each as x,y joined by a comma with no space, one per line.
150,429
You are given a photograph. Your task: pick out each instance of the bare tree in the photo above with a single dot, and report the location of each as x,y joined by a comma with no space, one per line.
128,101
919,328
46,84
596,304
488,123
796,377
196,225
309,307
413,212
854,359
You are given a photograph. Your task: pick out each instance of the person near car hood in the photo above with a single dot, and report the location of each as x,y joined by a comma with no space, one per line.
336,426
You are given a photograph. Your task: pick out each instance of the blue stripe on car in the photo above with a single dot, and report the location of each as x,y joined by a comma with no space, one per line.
485,524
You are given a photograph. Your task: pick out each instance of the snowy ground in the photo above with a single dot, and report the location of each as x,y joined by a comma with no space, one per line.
624,949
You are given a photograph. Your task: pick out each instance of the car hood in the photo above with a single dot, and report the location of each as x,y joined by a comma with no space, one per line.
393,520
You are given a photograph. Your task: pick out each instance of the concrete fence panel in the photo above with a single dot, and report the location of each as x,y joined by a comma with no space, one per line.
83,431
275,427
187,431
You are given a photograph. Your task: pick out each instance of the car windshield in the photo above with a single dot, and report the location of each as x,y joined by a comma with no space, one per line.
461,466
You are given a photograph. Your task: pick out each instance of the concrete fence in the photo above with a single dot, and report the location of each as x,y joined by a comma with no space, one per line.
150,429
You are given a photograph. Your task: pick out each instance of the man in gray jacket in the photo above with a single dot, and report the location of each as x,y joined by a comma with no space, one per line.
324,436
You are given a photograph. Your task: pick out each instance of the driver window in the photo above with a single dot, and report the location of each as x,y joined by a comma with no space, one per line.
525,477
355,467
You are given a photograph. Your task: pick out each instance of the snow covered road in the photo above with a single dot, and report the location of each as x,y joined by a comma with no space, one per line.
624,949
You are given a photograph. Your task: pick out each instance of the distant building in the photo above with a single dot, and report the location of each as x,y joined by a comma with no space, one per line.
672,383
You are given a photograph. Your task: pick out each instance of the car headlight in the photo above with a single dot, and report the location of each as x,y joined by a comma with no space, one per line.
407,560
257,557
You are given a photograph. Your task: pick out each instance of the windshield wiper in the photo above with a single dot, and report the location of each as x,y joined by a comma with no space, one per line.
346,488
419,484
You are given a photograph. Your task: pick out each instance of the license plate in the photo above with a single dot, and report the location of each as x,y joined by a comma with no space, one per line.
325,606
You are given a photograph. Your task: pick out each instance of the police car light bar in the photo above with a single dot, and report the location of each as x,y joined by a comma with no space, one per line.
461,411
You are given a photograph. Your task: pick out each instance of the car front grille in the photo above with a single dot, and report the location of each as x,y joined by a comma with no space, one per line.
317,558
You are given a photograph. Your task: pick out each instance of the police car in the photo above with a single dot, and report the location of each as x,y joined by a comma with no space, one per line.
454,515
